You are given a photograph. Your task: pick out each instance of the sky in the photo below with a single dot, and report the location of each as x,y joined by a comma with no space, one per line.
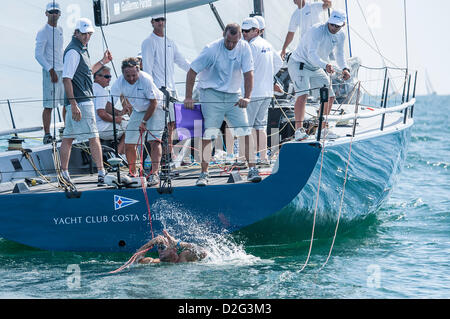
428,44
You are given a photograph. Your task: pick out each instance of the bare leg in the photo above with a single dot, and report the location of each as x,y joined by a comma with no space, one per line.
170,131
65,150
261,144
121,146
46,119
155,155
130,152
299,109
96,151
206,155
248,143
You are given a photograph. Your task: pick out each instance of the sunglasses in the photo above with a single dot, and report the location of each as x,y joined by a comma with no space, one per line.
105,76
53,11
336,26
247,31
159,19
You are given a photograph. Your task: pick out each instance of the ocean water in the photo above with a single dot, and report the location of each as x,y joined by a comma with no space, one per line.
400,251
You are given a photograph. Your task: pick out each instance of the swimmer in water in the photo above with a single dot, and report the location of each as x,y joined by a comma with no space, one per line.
171,250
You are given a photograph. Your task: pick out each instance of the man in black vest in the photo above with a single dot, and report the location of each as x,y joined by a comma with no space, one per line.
80,116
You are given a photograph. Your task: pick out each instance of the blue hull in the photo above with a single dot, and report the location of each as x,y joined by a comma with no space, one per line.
101,220
374,166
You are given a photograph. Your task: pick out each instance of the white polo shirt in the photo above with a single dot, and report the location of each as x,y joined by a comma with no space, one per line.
44,50
100,100
152,50
306,17
318,44
140,93
221,69
267,63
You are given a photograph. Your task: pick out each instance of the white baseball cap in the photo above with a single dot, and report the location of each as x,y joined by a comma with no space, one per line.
337,17
249,23
85,25
53,6
261,21
157,16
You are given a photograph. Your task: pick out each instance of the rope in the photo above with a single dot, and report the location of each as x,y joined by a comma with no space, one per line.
315,210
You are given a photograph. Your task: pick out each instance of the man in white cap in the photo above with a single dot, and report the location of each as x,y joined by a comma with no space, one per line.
80,110
309,64
49,54
267,63
262,25
304,17
221,65
159,56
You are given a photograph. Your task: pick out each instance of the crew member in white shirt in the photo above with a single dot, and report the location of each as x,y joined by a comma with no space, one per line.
49,54
79,104
103,110
147,115
309,65
159,56
266,63
262,25
220,66
304,17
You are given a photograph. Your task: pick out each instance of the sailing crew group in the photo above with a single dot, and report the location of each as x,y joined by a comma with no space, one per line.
235,76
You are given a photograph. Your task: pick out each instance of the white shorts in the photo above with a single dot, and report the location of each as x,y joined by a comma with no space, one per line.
48,93
219,106
108,134
155,126
308,81
84,129
257,112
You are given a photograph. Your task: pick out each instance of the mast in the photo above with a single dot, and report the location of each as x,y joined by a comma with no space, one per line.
258,7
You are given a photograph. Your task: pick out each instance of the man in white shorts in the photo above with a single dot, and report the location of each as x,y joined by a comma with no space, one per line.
303,18
80,110
49,54
147,115
103,110
159,56
309,64
267,63
221,65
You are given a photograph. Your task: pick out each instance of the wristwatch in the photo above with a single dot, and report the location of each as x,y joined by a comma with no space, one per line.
145,122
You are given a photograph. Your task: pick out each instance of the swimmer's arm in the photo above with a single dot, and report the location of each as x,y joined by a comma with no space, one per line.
151,243
149,260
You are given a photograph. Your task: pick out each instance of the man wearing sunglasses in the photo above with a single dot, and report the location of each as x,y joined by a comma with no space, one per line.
103,108
159,56
309,65
49,54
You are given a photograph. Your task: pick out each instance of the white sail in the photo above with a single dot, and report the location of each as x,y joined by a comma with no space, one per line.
428,85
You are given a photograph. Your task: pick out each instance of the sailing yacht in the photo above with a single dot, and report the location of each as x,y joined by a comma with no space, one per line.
306,179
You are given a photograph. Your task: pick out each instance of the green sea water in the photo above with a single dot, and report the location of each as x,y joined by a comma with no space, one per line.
401,251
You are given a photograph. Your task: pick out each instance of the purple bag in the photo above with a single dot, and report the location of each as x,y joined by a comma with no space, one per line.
189,123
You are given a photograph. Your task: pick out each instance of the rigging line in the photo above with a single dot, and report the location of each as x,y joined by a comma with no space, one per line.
348,30
406,36
107,48
345,182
